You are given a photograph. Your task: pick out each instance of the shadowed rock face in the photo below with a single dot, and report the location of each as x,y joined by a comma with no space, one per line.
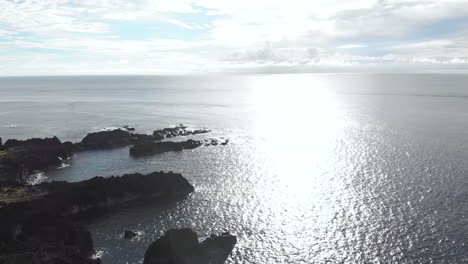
182,247
110,139
153,148
65,198
49,241
41,227
20,158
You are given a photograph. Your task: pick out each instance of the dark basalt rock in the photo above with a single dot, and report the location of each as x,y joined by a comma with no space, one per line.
43,240
179,130
39,223
122,137
152,148
65,198
109,139
182,247
128,234
20,158
128,128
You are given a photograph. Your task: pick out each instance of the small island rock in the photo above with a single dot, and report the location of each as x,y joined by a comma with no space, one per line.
128,234
181,246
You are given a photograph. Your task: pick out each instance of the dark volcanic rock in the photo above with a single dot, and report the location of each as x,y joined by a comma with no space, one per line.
111,139
128,234
20,158
65,198
179,130
105,140
45,240
119,138
182,247
152,148
38,223
129,128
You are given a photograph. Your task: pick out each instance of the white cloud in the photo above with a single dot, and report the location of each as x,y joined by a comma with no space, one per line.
179,23
273,34
351,46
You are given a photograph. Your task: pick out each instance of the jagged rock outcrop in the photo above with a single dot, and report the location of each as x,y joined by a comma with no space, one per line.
43,241
110,139
181,246
39,223
64,198
153,148
128,234
179,130
20,158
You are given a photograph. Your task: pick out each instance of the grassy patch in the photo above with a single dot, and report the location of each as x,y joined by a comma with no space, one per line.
17,194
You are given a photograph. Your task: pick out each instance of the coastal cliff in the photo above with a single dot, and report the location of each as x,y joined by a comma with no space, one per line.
39,224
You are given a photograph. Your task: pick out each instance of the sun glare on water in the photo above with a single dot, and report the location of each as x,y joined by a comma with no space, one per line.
298,126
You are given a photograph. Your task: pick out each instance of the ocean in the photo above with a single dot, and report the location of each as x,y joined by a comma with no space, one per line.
320,168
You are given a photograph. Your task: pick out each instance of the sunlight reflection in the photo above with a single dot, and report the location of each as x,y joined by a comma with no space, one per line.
298,127
297,124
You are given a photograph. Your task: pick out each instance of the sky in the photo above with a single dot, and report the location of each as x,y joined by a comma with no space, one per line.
79,37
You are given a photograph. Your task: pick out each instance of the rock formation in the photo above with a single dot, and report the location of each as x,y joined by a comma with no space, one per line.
182,247
128,234
153,148
20,158
39,224
179,130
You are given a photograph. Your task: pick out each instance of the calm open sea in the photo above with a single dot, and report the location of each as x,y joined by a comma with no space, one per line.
320,168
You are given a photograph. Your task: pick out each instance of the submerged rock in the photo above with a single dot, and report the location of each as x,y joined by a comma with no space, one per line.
182,247
20,158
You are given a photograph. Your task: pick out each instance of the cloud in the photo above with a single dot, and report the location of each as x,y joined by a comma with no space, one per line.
351,46
293,35
179,23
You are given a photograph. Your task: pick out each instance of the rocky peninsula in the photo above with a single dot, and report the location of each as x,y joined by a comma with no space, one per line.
21,158
43,223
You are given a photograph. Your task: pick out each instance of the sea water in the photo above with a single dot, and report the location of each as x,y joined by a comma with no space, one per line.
320,168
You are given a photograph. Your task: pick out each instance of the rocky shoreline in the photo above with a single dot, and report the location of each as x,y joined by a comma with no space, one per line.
21,158
42,223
